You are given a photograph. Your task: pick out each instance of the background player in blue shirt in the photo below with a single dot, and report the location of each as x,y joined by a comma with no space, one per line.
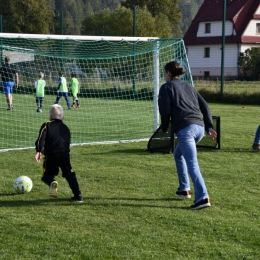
8,72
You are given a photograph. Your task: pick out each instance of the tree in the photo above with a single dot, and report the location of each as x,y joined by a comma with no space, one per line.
75,11
106,23
250,63
73,15
199,2
26,16
96,24
163,7
111,4
189,9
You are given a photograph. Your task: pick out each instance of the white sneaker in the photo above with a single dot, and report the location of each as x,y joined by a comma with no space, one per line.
53,190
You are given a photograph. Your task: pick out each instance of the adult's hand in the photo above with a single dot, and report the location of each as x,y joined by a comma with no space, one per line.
212,134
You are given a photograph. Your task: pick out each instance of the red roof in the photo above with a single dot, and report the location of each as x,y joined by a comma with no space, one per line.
240,12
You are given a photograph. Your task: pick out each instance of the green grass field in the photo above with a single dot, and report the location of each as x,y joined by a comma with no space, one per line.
129,210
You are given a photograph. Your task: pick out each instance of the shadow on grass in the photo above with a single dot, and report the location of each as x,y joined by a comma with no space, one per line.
144,151
238,150
105,202
140,151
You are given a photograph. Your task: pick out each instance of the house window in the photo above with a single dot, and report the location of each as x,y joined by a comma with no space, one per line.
258,28
207,27
206,74
206,52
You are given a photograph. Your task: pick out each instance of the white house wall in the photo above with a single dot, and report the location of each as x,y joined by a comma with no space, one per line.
199,64
215,29
251,28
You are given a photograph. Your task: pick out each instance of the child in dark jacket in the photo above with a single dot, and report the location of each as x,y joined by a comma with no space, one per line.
54,142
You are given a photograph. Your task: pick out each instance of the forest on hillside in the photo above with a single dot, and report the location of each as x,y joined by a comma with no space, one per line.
75,11
71,17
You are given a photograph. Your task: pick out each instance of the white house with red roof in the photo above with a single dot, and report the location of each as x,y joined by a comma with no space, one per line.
203,39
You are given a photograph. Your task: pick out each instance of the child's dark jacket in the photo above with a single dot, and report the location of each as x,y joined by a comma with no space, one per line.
54,137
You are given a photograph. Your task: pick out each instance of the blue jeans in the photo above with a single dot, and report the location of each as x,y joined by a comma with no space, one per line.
257,136
185,155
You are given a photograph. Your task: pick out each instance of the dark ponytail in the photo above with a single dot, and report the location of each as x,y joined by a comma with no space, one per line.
174,68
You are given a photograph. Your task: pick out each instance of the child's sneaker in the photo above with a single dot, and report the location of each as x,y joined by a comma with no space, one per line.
183,194
72,105
77,198
78,106
53,190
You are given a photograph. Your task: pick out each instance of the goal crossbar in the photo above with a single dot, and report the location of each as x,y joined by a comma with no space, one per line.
76,37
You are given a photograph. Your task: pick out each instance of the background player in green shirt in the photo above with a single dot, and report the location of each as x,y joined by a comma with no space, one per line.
74,84
39,86
62,90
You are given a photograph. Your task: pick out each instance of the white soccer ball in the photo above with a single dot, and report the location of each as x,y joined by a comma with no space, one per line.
23,184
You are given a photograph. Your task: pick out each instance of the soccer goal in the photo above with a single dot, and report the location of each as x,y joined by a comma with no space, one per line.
119,81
